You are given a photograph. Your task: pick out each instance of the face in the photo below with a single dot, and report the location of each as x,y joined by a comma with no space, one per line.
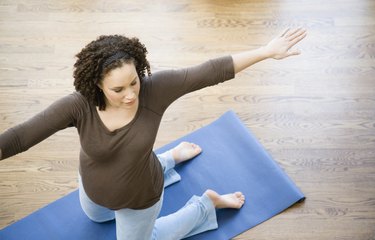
121,87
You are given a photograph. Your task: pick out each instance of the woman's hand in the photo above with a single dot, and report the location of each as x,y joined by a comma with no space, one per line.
281,46
277,48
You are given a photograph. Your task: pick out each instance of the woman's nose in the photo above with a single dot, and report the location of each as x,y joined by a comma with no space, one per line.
130,95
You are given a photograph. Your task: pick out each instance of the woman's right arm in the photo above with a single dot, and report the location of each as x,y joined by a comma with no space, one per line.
61,114
278,48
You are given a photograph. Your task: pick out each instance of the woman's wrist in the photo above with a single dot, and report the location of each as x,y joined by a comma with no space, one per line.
246,59
265,52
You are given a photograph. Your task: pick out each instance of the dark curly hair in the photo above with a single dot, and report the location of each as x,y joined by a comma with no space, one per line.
92,64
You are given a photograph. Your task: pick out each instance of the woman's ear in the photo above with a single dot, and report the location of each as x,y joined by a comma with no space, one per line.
99,85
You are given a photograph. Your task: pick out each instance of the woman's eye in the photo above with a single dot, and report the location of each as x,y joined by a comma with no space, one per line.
134,83
118,90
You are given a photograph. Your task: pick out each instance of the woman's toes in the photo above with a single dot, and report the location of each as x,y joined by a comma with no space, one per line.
185,151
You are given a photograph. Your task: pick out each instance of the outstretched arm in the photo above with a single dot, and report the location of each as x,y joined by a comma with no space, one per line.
278,48
61,114
169,85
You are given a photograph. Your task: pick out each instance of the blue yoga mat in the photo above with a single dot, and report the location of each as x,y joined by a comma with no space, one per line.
232,160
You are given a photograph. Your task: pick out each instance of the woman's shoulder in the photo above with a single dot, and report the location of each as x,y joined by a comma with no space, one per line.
77,96
72,102
73,98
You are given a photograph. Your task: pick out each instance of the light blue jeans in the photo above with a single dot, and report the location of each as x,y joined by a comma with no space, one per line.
198,215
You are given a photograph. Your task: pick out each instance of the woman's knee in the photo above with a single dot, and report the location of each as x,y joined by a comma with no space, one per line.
100,217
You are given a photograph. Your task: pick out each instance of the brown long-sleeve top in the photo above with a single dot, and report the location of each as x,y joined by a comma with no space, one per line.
119,168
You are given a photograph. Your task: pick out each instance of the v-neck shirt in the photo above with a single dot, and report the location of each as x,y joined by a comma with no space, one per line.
119,168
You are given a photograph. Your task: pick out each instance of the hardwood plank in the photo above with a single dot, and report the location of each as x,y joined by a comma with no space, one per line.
314,113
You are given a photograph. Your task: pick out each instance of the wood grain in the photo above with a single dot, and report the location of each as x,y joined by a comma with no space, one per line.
314,113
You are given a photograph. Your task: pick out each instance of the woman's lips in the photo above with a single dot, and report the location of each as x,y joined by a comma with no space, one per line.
130,102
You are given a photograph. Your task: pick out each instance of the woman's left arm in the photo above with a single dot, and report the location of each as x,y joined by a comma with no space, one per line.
169,85
278,48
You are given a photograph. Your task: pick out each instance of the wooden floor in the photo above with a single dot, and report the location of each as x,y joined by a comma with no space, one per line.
314,113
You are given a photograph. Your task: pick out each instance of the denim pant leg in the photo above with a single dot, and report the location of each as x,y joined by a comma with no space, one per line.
167,162
130,224
93,211
139,224
198,215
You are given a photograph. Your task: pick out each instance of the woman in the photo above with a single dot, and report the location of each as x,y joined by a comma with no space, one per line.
117,110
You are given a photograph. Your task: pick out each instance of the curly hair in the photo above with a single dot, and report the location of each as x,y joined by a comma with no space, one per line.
92,64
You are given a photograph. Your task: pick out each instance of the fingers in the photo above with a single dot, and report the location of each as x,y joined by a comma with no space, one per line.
293,37
284,32
282,46
290,35
296,34
293,53
298,37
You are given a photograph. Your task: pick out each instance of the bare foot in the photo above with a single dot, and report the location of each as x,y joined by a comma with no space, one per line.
231,200
185,151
